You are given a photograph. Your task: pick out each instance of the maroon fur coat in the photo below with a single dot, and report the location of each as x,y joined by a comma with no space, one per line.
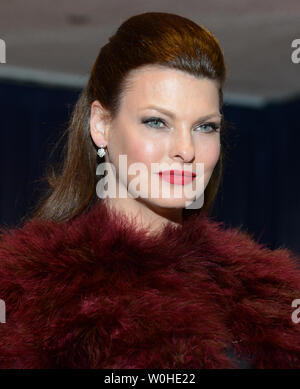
97,292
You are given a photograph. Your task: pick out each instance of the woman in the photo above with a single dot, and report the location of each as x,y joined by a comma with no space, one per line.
144,278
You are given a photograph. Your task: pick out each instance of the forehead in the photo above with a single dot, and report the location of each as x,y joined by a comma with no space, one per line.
154,84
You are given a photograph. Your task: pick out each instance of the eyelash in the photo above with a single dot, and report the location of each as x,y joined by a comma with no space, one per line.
214,126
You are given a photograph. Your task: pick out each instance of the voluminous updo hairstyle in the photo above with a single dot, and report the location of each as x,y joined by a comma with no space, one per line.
151,38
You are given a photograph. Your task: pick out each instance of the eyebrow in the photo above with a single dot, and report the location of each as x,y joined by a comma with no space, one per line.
172,115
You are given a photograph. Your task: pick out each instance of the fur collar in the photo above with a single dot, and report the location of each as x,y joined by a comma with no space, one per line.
98,292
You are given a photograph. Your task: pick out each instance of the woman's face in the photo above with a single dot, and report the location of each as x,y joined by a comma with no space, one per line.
167,120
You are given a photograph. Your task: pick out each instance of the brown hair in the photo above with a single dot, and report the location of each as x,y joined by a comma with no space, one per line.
149,38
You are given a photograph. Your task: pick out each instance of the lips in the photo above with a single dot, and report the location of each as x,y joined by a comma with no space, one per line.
185,173
177,177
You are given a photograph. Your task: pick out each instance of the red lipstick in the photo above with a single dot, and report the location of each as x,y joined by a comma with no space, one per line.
178,177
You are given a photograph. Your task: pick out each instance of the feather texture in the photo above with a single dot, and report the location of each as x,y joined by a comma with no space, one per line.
99,292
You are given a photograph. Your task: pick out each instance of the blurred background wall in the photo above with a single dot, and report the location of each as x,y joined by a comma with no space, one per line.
51,46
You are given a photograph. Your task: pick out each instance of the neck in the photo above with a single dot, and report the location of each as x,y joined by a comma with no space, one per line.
149,216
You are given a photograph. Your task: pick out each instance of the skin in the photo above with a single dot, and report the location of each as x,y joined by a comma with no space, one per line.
183,140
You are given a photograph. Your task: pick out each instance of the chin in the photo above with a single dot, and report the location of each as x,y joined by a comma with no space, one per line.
171,203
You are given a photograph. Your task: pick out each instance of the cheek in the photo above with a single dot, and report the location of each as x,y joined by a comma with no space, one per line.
142,149
214,155
208,153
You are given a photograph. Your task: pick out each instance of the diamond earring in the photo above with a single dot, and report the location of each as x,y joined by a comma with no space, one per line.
101,152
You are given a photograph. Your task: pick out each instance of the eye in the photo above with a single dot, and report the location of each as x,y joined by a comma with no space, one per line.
155,120
213,126
148,121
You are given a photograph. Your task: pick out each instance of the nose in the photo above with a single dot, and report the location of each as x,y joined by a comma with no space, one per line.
183,147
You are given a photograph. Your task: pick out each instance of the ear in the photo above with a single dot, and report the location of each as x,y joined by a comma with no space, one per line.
99,124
